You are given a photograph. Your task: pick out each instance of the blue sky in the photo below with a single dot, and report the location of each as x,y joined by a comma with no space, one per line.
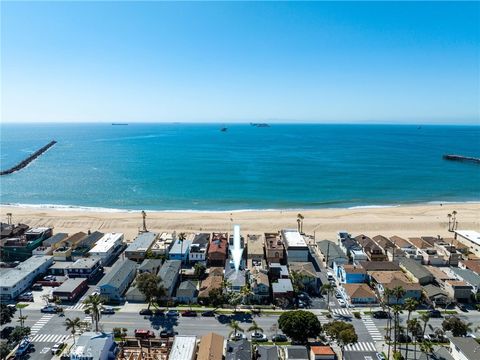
326,62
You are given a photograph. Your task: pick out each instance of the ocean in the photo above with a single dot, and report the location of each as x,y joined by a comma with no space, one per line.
198,167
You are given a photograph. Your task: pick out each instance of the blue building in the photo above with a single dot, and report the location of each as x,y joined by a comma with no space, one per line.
351,274
181,250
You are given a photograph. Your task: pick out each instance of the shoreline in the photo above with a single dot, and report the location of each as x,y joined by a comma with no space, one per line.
402,220
97,209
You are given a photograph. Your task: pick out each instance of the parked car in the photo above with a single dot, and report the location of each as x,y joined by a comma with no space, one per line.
24,347
279,338
37,287
57,348
189,313
380,356
404,338
435,314
304,296
164,334
462,307
50,309
342,303
107,310
146,312
259,337
209,313
144,333
172,313
380,314
49,278
237,337
26,296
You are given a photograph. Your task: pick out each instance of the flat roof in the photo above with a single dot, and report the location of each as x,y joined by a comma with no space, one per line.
22,270
472,235
84,263
183,348
293,238
282,286
106,242
183,248
37,230
70,285
142,242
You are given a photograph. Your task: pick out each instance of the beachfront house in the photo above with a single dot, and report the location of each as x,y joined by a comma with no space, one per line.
370,247
217,251
274,248
180,250
82,249
107,247
138,249
295,246
20,248
114,284
199,248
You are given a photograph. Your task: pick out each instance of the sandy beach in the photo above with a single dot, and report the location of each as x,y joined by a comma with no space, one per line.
406,221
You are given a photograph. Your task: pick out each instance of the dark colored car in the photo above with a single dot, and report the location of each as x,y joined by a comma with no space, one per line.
380,314
208,313
50,309
435,314
279,338
146,312
189,313
144,333
164,334
462,307
37,287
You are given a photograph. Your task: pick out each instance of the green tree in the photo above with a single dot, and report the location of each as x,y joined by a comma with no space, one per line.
21,320
410,305
216,297
255,328
150,286
73,325
341,331
386,299
297,281
94,305
19,333
199,269
456,326
299,325
413,325
235,326
246,293
5,349
6,313
397,355
327,289
427,348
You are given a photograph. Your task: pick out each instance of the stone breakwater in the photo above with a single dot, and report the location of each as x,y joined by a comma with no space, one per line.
28,160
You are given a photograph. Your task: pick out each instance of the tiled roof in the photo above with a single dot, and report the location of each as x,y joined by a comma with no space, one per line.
322,350
211,347
359,291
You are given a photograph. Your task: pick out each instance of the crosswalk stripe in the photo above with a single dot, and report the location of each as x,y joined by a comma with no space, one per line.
361,347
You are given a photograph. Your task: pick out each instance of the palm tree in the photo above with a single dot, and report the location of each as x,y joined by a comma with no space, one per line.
454,220
415,329
427,348
300,222
255,328
410,305
449,216
181,238
387,294
94,305
73,325
21,320
396,311
327,289
235,328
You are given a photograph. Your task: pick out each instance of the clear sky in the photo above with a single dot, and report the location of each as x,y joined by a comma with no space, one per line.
326,62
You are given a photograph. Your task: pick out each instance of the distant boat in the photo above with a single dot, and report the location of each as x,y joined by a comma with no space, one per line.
119,124
259,124
223,129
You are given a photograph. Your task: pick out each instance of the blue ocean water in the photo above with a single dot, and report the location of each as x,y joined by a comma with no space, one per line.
198,167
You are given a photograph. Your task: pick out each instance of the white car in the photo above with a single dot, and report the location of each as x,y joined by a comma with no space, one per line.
238,336
259,337
57,348
342,303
